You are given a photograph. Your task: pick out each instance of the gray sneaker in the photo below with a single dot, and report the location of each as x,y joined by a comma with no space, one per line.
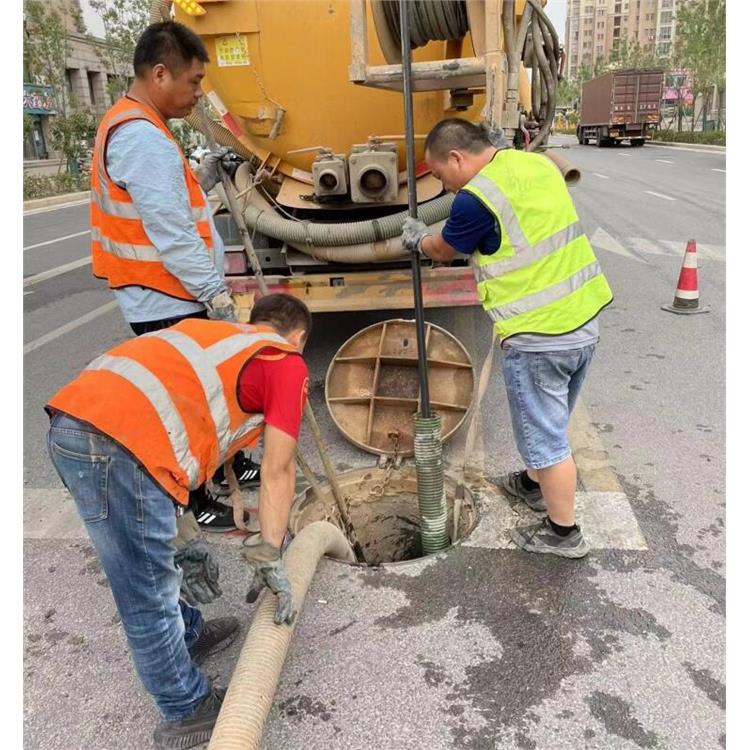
541,538
512,485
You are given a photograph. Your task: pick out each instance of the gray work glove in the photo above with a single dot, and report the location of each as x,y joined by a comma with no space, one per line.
210,168
413,233
200,571
495,135
266,570
221,307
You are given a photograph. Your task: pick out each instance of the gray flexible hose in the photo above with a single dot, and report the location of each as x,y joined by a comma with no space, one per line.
319,235
253,684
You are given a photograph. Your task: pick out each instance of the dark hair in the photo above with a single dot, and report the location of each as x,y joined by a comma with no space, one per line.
284,312
169,43
456,134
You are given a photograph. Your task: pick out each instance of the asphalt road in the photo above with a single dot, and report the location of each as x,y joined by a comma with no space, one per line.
485,646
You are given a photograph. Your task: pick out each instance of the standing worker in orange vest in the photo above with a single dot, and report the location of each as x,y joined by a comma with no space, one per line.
153,235
140,428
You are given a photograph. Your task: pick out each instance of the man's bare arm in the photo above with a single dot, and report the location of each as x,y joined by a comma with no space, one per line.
277,477
435,247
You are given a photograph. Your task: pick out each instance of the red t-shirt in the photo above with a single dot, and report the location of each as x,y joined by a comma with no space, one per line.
275,385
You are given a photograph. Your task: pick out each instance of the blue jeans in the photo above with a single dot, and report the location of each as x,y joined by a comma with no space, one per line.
132,524
542,389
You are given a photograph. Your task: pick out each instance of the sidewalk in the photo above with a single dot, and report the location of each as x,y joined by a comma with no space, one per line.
56,200
688,146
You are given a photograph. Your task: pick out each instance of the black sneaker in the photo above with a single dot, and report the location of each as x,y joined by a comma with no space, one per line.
216,635
541,538
512,485
246,471
193,730
215,516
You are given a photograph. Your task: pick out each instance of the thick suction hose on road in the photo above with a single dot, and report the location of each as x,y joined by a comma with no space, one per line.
253,685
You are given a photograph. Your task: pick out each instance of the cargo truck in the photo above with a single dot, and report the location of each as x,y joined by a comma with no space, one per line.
309,95
621,105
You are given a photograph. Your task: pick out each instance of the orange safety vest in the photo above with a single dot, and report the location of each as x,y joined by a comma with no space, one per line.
121,251
170,398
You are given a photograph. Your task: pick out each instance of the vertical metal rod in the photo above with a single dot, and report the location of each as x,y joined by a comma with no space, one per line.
416,272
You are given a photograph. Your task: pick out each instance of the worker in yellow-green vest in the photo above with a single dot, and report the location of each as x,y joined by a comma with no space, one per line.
540,282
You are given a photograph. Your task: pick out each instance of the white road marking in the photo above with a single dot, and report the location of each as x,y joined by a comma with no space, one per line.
57,239
44,275
603,176
45,209
660,195
718,170
664,161
605,241
622,153
77,323
634,247
706,251
606,519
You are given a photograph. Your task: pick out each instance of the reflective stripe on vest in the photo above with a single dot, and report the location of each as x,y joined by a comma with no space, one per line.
170,398
205,370
158,396
122,251
546,296
508,285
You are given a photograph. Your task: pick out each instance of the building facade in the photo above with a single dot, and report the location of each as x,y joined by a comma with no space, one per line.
88,80
594,27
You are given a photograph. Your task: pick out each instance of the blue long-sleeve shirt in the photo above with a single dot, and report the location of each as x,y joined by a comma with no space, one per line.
143,161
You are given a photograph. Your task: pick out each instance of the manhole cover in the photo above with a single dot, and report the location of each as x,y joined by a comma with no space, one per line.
372,385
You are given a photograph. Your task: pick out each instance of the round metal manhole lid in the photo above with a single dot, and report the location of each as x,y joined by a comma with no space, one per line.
372,385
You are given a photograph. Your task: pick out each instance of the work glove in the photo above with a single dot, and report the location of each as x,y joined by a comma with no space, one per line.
413,232
221,307
211,166
266,570
200,571
495,135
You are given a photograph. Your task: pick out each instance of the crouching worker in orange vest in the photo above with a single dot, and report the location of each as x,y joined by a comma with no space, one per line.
133,434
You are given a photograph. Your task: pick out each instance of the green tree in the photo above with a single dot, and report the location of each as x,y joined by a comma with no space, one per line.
184,133
124,21
28,126
632,54
700,46
72,134
45,49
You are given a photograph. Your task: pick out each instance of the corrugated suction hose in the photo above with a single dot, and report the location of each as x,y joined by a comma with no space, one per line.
350,233
253,685
428,457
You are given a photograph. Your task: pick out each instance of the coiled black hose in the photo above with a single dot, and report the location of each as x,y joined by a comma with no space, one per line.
429,20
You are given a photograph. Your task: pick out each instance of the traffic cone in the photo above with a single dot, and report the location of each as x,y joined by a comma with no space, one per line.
686,300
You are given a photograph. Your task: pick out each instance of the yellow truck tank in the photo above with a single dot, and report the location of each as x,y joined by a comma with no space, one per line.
309,93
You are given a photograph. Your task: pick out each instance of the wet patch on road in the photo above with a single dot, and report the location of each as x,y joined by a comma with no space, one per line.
539,610
616,715
703,680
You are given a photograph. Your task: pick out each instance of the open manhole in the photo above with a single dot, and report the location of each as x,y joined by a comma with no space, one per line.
384,510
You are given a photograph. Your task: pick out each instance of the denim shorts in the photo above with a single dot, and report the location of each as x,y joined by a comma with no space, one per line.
542,389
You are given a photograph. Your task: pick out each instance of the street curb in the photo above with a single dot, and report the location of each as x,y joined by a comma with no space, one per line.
693,146
55,200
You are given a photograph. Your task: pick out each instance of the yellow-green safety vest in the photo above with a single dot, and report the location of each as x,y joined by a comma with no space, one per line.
544,278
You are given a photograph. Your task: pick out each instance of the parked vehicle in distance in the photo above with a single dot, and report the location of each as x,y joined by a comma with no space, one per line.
621,105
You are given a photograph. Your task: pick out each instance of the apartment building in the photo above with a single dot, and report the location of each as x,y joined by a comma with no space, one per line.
594,27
